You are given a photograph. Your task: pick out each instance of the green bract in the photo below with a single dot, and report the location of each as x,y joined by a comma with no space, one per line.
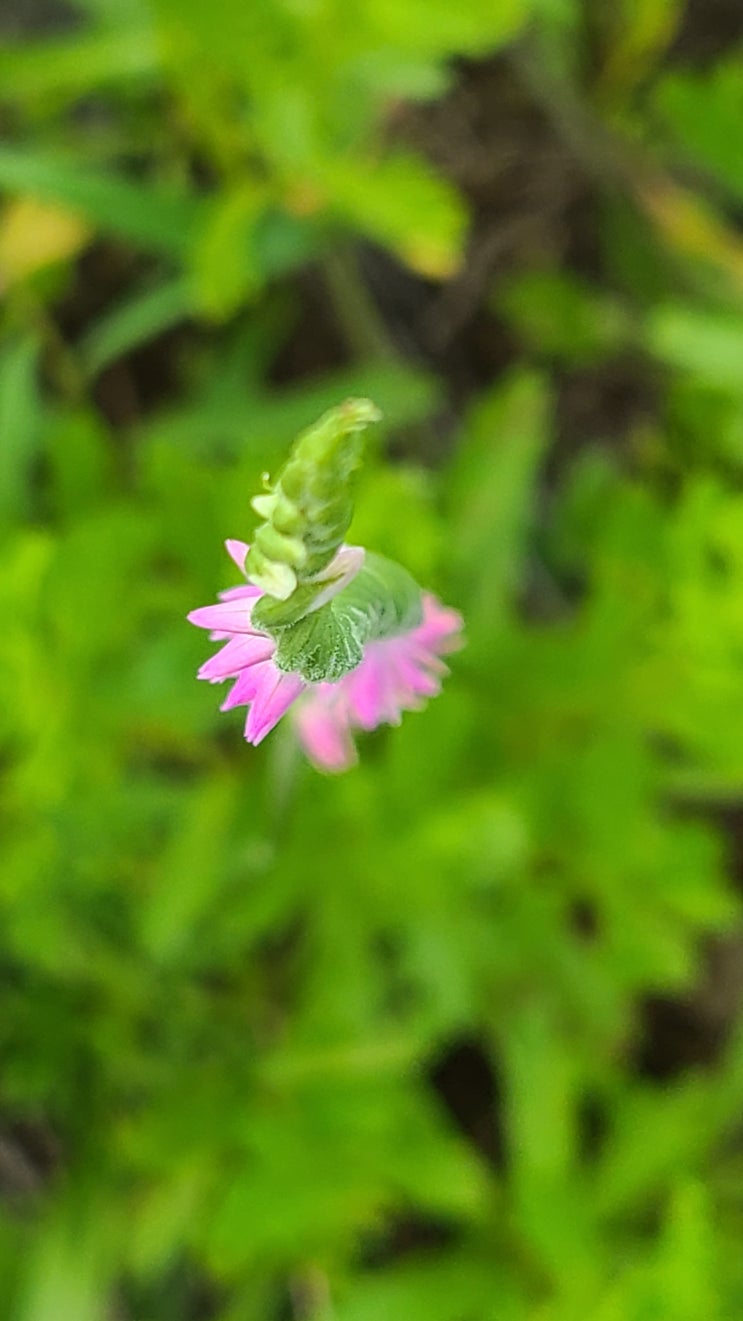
382,600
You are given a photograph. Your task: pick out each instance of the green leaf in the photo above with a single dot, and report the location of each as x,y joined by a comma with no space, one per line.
492,498
189,873
559,315
703,112
542,1078
472,27
708,345
162,221
134,322
401,202
20,426
71,68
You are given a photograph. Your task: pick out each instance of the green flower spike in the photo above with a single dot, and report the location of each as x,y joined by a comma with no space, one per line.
323,601
307,513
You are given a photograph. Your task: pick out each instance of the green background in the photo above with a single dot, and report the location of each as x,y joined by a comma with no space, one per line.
455,1036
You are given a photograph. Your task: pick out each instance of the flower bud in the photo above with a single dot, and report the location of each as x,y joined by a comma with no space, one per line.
307,511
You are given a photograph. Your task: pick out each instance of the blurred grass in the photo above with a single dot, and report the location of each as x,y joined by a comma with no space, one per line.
388,1045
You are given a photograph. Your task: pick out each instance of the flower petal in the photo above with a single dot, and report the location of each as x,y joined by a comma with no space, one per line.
417,678
366,690
249,682
244,590
246,649
440,626
397,674
270,703
231,616
238,552
324,735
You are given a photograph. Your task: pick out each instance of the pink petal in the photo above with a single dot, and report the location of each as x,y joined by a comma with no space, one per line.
324,735
237,551
270,704
365,690
417,678
235,593
247,649
396,675
231,616
440,626
250,682
425,658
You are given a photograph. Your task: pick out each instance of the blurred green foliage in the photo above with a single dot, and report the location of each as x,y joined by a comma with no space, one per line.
242,1003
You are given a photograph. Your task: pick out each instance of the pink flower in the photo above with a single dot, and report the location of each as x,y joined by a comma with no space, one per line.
396,674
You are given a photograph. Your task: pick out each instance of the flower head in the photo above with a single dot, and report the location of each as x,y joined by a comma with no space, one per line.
345,634
396,673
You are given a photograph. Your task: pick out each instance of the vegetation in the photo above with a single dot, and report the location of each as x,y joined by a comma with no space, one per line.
455,1036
